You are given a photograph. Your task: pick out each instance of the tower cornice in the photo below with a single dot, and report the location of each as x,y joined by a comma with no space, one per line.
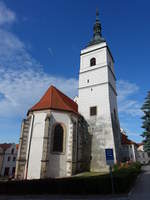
88,50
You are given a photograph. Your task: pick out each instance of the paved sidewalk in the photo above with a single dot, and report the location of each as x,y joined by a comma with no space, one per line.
141,191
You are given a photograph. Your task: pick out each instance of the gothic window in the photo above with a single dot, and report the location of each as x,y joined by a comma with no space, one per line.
93,61
58,138
93,111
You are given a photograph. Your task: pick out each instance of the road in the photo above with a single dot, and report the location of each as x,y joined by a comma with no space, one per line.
141,191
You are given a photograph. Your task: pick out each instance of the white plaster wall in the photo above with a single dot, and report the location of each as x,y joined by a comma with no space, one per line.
132,153
58,162
94,76
89,52
111,79
101,96
97,97
36,149
110,61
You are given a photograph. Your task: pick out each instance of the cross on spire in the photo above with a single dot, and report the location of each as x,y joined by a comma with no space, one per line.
97,14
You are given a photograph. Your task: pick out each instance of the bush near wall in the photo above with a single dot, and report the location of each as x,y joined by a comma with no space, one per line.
101,184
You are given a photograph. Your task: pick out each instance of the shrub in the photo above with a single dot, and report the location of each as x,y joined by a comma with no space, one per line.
99,184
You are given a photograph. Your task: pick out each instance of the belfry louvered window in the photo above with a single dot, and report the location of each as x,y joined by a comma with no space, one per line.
58,138
93,61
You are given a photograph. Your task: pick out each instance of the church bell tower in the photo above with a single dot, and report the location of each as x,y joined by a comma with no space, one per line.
97,98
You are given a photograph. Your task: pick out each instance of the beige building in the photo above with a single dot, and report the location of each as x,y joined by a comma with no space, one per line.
142,157
8,155
132,151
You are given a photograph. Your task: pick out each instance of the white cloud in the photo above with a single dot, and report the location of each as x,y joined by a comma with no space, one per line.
127,103
6,15
22,79
23,88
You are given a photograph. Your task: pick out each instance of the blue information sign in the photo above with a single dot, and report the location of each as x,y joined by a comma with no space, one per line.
109,156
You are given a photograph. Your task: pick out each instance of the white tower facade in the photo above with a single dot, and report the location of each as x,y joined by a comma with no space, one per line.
97,98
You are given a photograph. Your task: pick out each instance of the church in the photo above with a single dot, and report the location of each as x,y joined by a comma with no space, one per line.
61,137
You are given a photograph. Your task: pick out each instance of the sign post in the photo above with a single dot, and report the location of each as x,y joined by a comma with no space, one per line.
110,161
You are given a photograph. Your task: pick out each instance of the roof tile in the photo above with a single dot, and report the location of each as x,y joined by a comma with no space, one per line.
55,99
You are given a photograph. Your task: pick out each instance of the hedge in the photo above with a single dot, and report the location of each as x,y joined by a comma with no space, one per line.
123,181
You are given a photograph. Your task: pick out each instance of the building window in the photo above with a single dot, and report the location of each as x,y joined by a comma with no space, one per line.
93,61
58,138
9,158
93,111
88,81
6,172
12,151
14,158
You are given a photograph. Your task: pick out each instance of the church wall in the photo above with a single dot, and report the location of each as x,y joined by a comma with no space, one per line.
35,154
98,96
100,126
60,164
111,79
92,77
88,53
115,123
110,61
22,157
97,88
84,146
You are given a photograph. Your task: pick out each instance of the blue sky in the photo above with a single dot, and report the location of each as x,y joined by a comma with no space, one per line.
40,43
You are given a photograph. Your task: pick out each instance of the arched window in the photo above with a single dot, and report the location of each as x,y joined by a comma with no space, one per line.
93,61
58,138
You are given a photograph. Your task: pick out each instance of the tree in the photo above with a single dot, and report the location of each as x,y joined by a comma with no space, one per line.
146,123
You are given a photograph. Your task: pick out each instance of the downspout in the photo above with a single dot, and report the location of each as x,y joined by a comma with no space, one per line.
29,148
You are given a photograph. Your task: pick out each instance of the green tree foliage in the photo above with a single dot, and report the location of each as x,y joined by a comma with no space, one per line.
146,123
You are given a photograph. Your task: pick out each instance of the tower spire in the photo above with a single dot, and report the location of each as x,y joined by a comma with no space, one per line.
97,35
97,14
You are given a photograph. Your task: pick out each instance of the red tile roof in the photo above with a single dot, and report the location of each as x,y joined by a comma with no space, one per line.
140,144
55,99
5,146
17,146
125,140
